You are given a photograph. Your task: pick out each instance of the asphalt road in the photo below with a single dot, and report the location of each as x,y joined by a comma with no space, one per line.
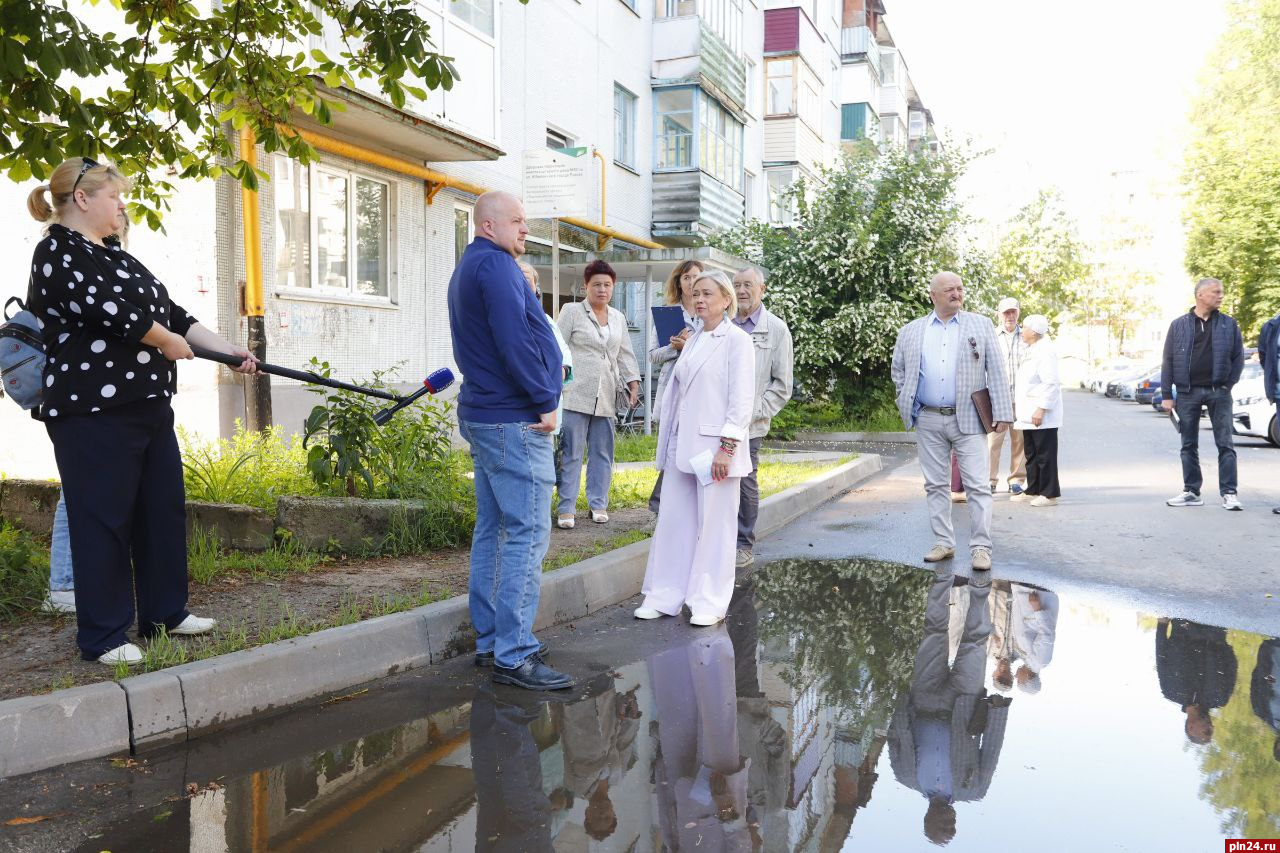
1110,535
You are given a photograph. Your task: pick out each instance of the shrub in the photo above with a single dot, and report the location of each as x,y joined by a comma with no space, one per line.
24,573
251,467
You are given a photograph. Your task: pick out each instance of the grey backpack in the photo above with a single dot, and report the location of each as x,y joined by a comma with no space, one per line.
22,356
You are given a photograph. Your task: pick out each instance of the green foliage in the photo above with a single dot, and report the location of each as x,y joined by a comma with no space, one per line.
253,468
173,73
1233,166
206,561
1040,260
868,237
878,413
24,573
635,448
341,437
852,628
577,555
1241,776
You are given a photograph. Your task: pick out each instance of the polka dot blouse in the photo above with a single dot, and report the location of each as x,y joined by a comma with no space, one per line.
94,305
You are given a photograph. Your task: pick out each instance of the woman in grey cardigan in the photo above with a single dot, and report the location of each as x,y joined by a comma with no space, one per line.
601,345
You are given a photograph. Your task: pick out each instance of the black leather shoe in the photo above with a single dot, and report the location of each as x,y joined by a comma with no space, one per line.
486,658
1276,510
533,674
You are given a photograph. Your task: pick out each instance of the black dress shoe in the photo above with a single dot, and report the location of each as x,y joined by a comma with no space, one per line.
1276,510
532,674
486,658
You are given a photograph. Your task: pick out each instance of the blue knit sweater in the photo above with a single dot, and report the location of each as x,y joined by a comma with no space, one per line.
502,343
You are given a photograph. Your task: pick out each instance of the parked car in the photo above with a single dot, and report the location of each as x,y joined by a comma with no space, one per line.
1252,413
1098,380
1250,377
1122,387
1148,387
1157,399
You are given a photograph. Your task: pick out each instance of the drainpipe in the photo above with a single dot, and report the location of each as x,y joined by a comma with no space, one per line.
602,240
437,181
257,388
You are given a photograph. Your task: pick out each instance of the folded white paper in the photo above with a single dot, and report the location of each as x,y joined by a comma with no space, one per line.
701,465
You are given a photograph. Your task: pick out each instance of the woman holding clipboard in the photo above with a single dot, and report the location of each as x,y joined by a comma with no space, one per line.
678,293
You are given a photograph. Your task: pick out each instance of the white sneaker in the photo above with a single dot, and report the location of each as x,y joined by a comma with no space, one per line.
127,654
1185,499
194,625
599,516
1041,500
705,621
648,613
60,601
1231,502
565,522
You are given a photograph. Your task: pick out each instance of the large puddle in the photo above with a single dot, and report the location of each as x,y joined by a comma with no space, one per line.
843,706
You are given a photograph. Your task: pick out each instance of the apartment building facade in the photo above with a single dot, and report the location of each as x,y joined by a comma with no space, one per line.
697,111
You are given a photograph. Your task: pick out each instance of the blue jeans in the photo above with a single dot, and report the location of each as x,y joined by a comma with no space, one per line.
594,434
514,475
60,576
1219,403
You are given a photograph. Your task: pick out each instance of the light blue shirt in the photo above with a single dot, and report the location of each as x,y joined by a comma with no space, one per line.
939,356
933,756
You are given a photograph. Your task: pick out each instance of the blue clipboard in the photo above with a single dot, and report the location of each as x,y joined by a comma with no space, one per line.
668,321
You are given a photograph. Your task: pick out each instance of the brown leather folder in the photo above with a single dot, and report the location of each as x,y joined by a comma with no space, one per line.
982,402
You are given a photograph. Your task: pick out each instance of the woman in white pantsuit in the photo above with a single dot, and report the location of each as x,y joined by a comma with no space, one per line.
706,410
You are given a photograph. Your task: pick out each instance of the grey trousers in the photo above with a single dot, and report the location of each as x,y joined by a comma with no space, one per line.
749,505
936,437
594,434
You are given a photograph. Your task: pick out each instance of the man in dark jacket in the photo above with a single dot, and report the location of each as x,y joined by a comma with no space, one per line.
1197,670
1203,359
511,368
1269,353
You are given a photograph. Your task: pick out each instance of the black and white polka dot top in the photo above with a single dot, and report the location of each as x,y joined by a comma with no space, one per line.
95,304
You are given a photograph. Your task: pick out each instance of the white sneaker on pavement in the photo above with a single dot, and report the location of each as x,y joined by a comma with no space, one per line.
1041,500
194,625
1185,499
60,601
599,516
1231,502
648,613
127,654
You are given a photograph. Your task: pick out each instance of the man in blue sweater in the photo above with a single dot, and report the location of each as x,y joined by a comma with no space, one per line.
510,363
1203,359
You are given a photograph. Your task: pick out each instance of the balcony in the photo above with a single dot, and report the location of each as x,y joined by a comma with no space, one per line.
859,43
686,50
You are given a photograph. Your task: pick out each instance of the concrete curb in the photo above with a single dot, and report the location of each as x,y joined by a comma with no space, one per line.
852,437
160,708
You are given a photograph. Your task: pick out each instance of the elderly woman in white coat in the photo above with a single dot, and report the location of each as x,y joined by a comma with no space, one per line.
1038,404
702,443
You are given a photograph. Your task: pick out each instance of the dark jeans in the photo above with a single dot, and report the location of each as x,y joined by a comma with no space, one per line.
126,510
1041,449
513,813
749,503
1218,401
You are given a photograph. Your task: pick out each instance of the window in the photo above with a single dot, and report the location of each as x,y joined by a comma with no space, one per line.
889,68
477,13
810,103
781,208
724,18
720,143
673,128
462,231
675,8
916,127
293,223
624,126
345,216
556,139
781,94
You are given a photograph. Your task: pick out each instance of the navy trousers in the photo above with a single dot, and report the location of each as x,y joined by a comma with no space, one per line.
126,509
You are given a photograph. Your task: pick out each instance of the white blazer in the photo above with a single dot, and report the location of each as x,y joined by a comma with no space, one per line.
710,395
1037,386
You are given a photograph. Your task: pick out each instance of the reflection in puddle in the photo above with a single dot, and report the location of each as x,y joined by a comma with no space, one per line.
975,712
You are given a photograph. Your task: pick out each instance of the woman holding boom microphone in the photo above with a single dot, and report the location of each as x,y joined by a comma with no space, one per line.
112,334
